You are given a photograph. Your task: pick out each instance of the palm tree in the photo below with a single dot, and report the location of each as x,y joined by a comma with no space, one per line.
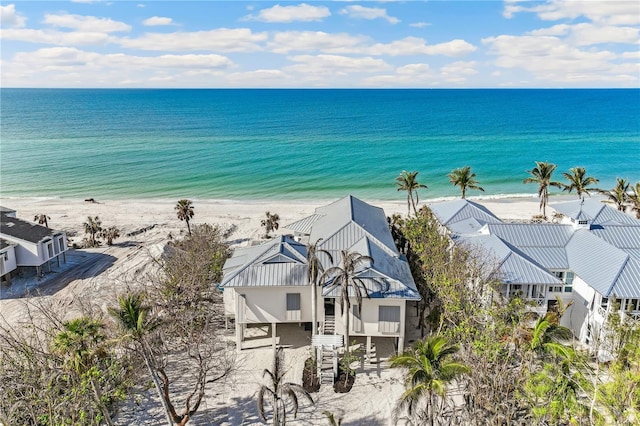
42,219
618,195
80,343
635,199
110,234
184,208
429,371
345,277
92,226
579,181
132,317
464,178
315,268
271,223
406,181
541,174
279,393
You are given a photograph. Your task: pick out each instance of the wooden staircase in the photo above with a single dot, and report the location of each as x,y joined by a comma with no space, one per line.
327,355
329,326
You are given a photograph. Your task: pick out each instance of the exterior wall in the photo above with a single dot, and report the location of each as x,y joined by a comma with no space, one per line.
579,314
7,260
27,253
267,304
35,254
369,315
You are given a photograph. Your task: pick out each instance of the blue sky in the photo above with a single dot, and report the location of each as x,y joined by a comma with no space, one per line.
386,44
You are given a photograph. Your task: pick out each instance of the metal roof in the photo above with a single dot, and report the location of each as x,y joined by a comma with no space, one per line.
348,211
595,261
388,277
620,236
549,257
347,224
533,234
23,230
606,257
508,263
455,211
303,226
595,211
281,262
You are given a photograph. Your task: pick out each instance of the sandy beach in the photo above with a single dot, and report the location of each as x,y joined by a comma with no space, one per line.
126,262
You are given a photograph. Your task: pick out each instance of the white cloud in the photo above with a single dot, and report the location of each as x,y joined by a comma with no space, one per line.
287,14
369,13
9,18
222,39
261,78
156,21
86,23
59,38
140,5
459,68
410,75
69,57
631,55
420,24
586,34
553,60
306,41
612,12
336,64
419,46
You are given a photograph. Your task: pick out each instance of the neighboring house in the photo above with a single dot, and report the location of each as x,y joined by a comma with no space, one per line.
590,257
268,283
7,260
34,245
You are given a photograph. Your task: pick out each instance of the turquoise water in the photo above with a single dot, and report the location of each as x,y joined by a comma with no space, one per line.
305,144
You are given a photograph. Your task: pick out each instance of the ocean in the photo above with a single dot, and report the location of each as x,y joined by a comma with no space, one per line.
246,144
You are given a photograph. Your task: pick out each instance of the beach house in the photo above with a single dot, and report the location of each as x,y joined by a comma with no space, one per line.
28,245
268,283
591,257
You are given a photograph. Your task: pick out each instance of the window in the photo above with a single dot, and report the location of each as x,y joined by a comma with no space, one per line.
556,289
582,222
569,277
559,275
632,305
604,303
389,319
568,289
357,319
293,306
61,244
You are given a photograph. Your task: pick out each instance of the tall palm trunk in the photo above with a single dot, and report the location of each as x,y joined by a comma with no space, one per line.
314,309
103,408
146,354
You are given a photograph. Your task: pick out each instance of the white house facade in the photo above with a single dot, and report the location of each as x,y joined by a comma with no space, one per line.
590,257
269,283
8,262
34,245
